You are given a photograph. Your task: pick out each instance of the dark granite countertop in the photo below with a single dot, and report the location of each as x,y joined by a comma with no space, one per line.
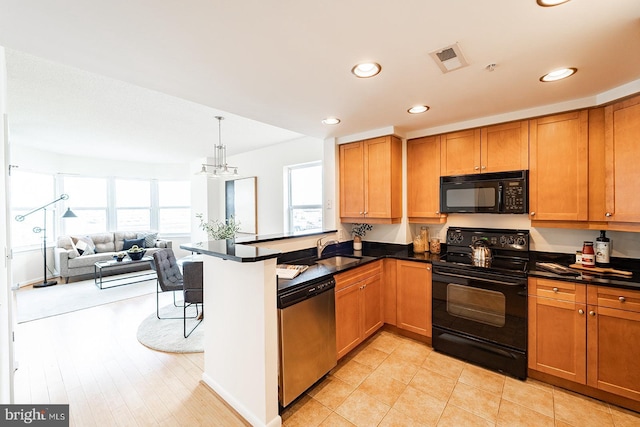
228,249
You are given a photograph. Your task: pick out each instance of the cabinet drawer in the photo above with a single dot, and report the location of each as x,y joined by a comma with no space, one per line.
358,274
557,289
622,299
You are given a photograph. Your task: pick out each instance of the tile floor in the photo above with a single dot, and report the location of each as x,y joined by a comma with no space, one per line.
391,380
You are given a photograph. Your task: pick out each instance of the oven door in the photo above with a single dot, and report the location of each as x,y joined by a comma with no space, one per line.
486,306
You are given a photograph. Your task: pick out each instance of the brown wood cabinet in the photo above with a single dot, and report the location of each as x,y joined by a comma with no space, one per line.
559,176
498,148
413,292
587,334
359,306
371,181
423,180
557,328
622,150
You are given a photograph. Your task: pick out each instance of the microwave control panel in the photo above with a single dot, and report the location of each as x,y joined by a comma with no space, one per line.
515,196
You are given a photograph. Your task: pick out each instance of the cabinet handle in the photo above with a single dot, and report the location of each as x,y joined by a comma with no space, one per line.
622,299
555,290
581,311
592,313
428,268
608,214
361,212
437,212
533,214
484,167
476,167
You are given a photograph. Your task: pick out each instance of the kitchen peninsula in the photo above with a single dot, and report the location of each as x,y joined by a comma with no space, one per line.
241,338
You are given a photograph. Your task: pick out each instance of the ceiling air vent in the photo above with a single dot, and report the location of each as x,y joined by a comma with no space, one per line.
449,58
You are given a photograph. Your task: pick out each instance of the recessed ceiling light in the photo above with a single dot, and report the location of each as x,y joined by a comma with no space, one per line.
560,74
549,3
417,109
366,69
331,121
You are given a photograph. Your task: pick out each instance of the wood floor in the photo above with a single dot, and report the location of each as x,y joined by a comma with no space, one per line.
92,360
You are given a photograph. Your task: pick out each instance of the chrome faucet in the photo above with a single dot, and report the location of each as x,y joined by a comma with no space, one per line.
321,246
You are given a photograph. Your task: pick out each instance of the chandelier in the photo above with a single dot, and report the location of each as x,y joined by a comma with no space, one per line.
219,166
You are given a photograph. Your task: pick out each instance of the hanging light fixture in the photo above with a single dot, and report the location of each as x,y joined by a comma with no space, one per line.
219,166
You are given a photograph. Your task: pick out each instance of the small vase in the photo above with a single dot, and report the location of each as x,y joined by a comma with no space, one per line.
357,243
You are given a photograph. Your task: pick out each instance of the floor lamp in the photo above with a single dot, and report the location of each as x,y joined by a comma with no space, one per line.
67,214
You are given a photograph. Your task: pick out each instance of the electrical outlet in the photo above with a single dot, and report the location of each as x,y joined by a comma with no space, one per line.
329,204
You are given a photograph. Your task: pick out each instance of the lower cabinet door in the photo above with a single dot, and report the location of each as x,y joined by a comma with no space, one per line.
413,290
348,331
372,311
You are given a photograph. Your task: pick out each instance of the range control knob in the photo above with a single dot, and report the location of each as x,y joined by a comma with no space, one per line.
521,241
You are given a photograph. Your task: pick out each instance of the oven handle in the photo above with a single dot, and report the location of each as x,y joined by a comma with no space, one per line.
462,276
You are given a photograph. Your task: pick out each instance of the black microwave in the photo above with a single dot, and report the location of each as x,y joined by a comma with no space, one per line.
497,192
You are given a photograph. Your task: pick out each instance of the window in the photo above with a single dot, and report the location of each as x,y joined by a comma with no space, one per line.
133,205
305,197
174,201
30,191
88,199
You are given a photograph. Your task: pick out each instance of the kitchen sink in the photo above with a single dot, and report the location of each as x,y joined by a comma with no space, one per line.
338,261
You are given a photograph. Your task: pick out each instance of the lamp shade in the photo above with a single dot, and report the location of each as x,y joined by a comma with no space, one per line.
69,214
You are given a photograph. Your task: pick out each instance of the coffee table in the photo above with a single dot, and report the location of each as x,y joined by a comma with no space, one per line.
101,267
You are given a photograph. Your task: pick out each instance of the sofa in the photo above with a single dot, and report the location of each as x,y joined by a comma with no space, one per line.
76,255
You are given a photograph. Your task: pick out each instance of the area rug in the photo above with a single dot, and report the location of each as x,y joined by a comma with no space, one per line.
167,334
38,303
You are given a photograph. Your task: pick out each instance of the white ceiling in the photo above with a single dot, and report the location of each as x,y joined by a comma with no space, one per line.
151,74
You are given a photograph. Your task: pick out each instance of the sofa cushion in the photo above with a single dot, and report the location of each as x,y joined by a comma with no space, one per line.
129,243
120,236
103,242
149,239
84,245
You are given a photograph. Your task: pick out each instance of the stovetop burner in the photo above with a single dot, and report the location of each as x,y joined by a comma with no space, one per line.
509,250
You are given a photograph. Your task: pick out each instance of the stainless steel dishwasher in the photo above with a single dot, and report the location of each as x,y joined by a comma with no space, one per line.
307,336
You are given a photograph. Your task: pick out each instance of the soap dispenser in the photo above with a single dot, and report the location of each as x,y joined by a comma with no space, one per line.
603,250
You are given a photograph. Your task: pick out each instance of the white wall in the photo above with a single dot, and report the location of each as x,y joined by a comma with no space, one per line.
268,164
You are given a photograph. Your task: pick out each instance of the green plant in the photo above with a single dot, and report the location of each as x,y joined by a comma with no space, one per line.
219,230
360,229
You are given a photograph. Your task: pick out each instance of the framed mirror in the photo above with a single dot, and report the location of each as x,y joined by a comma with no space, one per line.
241,202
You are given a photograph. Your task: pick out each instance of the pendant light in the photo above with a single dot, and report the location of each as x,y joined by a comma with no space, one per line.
219,166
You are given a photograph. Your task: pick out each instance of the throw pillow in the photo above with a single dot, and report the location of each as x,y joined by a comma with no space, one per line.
73,252
84,245
149,239
128,244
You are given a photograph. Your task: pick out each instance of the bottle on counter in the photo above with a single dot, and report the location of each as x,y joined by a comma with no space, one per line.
588,255
603,250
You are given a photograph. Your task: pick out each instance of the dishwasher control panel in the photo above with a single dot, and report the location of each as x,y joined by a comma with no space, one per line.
305,291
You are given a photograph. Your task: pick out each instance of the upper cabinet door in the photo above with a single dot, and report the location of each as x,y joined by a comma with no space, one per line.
559,160
351,180
460,153
622,149
423,180
505,147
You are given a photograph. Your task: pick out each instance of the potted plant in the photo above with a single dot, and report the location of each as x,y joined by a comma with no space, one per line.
219,230
359,231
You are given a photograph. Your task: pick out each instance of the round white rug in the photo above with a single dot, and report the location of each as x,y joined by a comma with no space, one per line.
167,334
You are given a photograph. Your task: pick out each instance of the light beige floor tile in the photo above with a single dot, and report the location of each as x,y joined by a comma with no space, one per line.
383,388
444,365
335,420
331,391
433,384
482,378
480,402
352,372
531,396
362,410
580,410
514,415
397,368
370,356
420,406
384,341
624,417
306,412
412,352
457,417
395,418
